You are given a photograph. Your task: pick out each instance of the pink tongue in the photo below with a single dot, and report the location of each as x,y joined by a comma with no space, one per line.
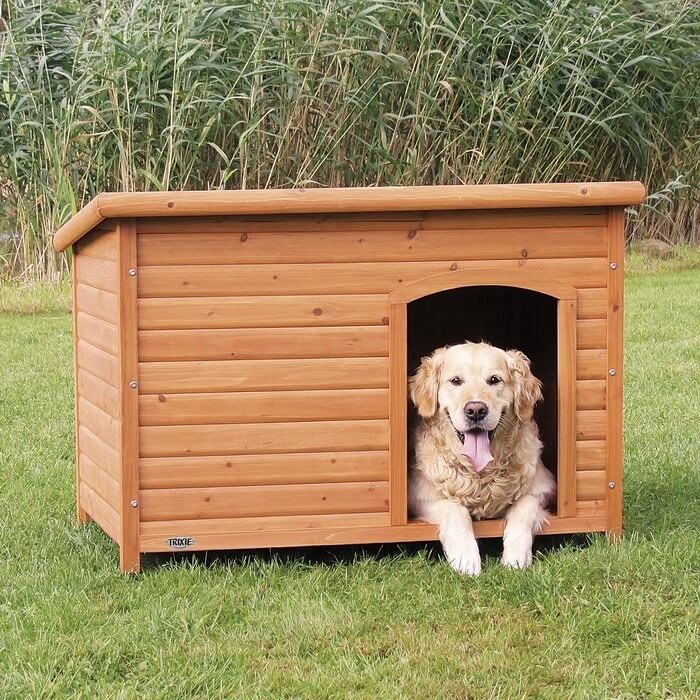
476,448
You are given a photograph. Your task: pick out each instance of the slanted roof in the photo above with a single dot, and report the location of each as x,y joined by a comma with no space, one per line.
115,205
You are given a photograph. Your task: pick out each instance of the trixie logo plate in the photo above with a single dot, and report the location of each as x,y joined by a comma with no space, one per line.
180,542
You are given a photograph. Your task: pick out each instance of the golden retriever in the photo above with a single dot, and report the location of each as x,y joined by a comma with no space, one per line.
476,451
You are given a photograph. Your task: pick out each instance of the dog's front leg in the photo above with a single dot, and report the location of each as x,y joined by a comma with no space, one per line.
456,535
524,520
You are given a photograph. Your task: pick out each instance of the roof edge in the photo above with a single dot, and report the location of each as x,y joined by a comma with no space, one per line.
344,200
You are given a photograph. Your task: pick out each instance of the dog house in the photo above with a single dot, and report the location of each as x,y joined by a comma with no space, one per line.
241,358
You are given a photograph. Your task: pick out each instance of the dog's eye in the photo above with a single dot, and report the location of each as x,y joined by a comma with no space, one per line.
456,381
494,379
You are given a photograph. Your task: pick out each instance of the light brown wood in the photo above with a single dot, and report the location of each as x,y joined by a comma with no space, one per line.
591,334
97,303
263,407
591,394
522,279
263,375
97,362
104,426
264,470
591,454
566,406
100,511
398,440
129,558
263,343
267,336
263,312
264,438
591,364
592,303
258,501
96,273
99,451
100,482
591,425
99,393
300,201
616,255
591,485
96,332
367,247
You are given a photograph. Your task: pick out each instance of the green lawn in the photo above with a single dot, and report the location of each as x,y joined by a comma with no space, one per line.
590,619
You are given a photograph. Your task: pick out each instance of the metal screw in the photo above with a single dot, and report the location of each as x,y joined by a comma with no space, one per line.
134,504
613,266
132,272
611,484
133,385
612,372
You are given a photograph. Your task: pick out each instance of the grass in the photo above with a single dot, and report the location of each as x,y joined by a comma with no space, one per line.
205,94
590,620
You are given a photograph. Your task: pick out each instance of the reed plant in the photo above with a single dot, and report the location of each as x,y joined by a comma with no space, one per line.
202,94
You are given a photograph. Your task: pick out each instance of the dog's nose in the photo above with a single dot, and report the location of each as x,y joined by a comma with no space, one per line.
476,411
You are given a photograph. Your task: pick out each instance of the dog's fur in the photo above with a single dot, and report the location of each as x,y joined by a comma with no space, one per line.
444,486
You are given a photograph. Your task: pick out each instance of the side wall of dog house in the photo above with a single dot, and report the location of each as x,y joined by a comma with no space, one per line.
96,319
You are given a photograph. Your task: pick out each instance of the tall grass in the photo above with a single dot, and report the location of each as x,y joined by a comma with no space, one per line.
197,94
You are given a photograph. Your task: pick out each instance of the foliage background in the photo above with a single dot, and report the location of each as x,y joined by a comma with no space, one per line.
199,94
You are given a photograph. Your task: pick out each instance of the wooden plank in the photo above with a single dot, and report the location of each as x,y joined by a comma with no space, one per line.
100,482
263,407
96,332
98,303
616,255
261,501
97,273
596,508
591,485
97,362
101,424
263,375
591,454
592,303
566,403
591,334
263,312
471,219
129,559
99,393
263,343
106,457
264,438
82,515
99,243
591,394
156,532
100,511
591,425
341,245
221,536
398,479
261,470
591,364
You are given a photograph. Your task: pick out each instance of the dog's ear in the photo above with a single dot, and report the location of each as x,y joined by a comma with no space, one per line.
423,385
528,389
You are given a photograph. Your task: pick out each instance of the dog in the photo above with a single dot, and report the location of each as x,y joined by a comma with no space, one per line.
475,451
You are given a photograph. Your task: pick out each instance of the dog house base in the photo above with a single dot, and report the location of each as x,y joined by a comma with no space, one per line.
241,358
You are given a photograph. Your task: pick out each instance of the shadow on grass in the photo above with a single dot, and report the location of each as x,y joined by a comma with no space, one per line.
347,555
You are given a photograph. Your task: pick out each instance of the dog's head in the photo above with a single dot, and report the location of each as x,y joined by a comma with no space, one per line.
476,385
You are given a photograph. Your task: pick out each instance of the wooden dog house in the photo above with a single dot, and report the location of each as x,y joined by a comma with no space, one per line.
242,357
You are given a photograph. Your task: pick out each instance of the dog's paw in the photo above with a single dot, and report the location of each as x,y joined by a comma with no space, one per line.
465,561
517,559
